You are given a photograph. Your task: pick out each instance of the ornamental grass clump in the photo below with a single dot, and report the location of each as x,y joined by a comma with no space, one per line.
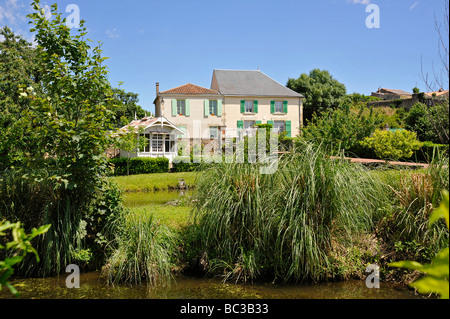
143,251
280,225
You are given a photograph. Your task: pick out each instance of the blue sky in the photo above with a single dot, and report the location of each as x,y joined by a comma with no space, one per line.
179,42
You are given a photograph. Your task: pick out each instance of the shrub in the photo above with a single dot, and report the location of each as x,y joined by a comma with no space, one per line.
342,129
430,123
392,144
78,227
140,165
428,150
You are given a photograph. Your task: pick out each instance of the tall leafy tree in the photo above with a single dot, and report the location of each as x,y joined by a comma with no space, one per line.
18,69
320,89
127,108
68,120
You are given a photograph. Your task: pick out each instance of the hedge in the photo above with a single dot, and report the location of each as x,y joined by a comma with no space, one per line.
140,165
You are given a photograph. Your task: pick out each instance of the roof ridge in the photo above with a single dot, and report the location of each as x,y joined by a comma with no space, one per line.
196,87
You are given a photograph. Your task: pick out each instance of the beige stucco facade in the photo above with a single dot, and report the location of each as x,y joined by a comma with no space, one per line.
198,124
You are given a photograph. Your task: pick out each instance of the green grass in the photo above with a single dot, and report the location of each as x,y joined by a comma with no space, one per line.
157,203
153,182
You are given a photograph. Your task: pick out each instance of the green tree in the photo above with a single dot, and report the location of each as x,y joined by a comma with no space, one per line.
127,108
320,89
70,127
18,69
341,128
430,123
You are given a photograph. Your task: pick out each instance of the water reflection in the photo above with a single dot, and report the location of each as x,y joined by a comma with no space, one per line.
92,286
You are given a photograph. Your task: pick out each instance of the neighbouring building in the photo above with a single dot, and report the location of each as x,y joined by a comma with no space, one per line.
235,100
399,98
389,94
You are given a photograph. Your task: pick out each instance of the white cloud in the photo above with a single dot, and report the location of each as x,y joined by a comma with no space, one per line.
414,5
48,12
8,12
363,2
112,33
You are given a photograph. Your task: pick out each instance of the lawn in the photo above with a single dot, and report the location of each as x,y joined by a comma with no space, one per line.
153,182
154,194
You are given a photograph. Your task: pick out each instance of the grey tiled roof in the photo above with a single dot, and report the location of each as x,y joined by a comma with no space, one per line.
249,83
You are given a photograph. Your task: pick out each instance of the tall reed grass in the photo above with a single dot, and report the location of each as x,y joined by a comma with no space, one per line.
413,197
143,250
280,225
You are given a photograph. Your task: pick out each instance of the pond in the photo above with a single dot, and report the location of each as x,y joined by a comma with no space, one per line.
92,286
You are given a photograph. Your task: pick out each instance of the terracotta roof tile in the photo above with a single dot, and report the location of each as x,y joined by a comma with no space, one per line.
190,89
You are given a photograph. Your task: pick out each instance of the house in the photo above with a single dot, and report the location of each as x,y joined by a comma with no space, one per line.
160,136
399,98
390,94
235,101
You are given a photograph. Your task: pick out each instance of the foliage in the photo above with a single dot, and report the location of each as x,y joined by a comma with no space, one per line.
143,250
127,108
21,245
437,272
410,199
280,226
18,68
430,123
342,129
139,165
62,181
428,151
392,145
320,89
129,141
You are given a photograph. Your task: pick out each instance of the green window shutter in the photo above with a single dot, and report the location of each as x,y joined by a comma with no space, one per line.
258,122
285,107
240,124
272,107
206,108
242,106
219,107
188,108
270,122
288,128
174,107
255,106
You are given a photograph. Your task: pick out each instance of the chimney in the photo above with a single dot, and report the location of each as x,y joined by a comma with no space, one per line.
157,102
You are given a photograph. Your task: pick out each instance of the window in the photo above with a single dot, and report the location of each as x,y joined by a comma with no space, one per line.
249,106
146,137
248,124
213,132
181,107
157,143
278,106
212,107
184,129
168,144
279,126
